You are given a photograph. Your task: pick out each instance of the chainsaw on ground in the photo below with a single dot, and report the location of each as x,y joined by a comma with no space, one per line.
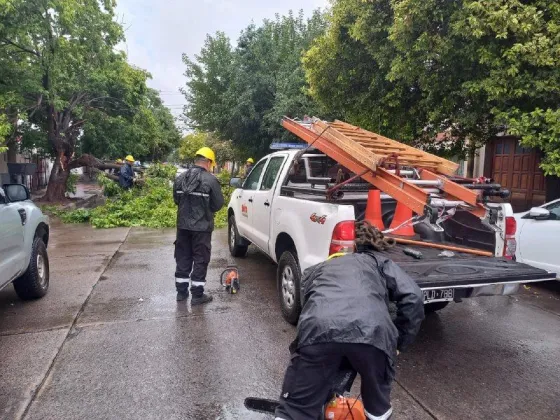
337,406
230,279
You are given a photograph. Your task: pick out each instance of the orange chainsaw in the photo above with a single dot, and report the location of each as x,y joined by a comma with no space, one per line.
337,406
230,279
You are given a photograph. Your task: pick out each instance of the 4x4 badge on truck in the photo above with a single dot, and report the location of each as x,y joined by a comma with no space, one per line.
318,219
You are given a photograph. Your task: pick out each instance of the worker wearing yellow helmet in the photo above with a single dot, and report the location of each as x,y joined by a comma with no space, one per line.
198,195
345,316
248,167
126,174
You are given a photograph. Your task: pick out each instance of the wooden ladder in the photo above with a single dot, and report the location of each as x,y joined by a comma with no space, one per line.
365,153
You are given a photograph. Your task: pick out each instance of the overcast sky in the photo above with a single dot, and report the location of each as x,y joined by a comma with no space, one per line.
158,33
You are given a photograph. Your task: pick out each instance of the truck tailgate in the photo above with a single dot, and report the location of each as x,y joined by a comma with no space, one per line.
464,270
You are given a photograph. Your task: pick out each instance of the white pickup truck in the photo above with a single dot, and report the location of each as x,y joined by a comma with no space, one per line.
24,236
282,209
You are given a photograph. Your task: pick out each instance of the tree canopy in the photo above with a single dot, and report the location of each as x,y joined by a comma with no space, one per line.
224,149
411,69
240,93
60,71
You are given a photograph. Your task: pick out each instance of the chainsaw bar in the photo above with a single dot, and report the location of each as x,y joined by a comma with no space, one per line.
261,405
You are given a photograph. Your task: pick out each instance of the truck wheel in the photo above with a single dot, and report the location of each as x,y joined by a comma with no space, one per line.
34,283
430,308
237,245
289,280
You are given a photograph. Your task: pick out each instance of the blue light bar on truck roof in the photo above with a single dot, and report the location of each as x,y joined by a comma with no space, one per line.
284,146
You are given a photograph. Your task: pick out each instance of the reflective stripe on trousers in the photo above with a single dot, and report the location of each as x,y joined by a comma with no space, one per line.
382,417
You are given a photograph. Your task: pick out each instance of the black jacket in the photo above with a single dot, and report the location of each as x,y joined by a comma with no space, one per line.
126,176
346,301
198,195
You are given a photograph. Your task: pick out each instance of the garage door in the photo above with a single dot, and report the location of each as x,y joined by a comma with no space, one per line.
517,168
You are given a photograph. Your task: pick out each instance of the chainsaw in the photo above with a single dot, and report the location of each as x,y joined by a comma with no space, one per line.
230,279
337,406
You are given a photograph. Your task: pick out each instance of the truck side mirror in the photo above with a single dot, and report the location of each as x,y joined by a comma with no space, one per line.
235,182
538,213
16,192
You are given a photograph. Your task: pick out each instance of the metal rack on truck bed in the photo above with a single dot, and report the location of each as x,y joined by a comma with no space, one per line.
379,160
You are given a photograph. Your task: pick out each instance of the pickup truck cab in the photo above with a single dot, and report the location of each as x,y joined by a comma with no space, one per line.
24,236
281,208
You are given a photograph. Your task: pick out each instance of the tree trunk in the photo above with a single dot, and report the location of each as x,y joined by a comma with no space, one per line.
12,152
12,143
56,189
470,162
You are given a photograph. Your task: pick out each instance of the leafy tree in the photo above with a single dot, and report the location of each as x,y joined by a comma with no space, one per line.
190,144
224,149
241,93
411,69
69,45
149,133
517,44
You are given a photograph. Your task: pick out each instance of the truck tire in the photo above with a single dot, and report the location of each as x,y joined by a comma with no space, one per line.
289,281
430,308
237,245
34,283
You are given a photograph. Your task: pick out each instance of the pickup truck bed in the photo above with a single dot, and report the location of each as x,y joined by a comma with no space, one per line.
462,269
282,209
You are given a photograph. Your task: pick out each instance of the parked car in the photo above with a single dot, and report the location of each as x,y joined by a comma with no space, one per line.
538,236
24,236
281,209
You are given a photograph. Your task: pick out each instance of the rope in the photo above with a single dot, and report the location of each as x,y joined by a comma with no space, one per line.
413,221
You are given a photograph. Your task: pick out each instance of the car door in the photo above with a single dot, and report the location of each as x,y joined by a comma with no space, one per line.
245,196
539,240
262,202
11,240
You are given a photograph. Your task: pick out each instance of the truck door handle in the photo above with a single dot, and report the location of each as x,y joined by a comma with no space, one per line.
266,203
250,200
23,216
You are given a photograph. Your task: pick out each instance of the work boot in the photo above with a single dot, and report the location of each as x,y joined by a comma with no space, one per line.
182,296
201,300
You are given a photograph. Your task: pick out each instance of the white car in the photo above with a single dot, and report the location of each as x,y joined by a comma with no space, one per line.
538,237
24,236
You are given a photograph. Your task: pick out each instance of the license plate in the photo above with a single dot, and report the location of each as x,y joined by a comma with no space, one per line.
439,295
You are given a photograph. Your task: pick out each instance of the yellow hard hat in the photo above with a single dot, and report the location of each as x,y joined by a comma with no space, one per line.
129,158
250,160
119,160
207,153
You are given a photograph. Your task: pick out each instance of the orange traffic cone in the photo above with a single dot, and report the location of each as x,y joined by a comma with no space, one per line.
402,214
373,209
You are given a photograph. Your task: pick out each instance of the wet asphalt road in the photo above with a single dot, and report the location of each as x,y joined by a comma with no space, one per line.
110,342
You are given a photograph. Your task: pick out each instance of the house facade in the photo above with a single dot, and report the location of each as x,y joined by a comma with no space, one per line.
516,168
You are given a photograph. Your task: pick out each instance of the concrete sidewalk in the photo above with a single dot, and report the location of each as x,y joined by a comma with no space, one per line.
32,333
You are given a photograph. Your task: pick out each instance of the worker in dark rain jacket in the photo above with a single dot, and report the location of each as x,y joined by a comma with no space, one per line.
345,316
198,194
126,174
